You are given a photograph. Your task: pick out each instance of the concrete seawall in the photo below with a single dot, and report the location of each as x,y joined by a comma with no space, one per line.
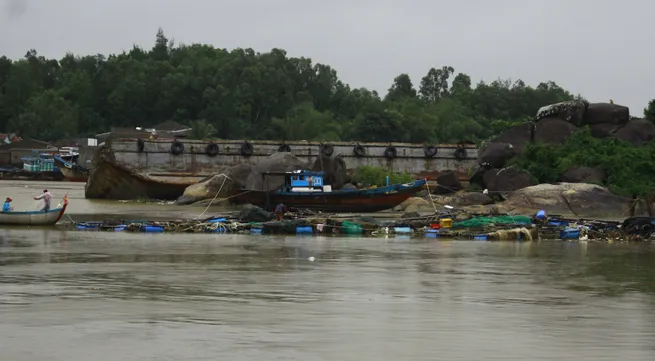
156,156
162,168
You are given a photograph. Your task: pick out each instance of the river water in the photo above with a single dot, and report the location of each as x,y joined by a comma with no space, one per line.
80,296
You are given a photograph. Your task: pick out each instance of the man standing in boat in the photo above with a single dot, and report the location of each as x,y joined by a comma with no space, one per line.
47,198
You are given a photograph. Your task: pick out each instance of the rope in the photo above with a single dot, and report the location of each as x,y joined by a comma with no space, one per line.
430,196
218,192
225,177
70,219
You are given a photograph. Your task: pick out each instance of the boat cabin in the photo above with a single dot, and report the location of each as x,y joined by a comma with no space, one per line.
305,181
40,162
69,154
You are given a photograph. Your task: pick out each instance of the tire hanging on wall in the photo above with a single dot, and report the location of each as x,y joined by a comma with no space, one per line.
284,148
327,149
177,148
246,149
359,150
460,154
430,150
390,152
212,149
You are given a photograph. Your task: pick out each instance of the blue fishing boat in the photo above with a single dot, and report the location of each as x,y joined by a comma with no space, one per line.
71,171
306,190
34,218
40,166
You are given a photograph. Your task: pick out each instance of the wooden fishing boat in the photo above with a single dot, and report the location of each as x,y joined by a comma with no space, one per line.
305,190
34,218
72,172
40,166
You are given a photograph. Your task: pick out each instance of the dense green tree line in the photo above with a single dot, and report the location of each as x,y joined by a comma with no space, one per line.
243,94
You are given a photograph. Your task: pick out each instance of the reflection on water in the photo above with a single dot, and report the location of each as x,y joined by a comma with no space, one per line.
105,296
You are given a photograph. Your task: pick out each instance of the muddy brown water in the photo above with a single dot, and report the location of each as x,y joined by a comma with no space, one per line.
78,296
81,209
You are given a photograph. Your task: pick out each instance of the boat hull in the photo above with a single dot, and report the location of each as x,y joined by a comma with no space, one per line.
36,218
73,176
110,181
356,201
70,174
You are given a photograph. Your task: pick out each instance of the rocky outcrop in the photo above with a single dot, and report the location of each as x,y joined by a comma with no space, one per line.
495,155
571,111
447,182
553,131
603,130
247,177
499,181
584,175
554,124
571,199
519,136
251,213
335,170
462,199
606,113
415,205
218,186
636,132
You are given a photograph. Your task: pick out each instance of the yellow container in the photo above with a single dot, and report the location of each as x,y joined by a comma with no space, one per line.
446,223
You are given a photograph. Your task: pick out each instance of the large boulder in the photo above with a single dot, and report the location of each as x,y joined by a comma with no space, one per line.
553,131
447,182
281,162
416,204
603,130
570,111
637,132
495,155
243,176
571,199
606,113
501,181
477,178
251,213
519,136
584,175
224,183
335,170
462,199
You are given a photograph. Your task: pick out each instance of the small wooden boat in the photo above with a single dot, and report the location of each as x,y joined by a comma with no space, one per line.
305,190
34,218
72,172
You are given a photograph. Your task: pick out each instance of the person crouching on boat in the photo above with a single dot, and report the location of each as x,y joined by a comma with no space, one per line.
280,209
47,198
7,206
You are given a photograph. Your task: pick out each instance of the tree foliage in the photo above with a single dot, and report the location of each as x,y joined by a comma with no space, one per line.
630,170
377,176
649,112
244,94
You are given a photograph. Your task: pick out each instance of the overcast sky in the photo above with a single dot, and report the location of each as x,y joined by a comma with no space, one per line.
601,49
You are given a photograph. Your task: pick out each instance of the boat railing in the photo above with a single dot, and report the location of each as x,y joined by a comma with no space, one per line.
39,163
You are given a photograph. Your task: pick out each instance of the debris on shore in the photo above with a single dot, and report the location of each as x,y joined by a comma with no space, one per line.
442,224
